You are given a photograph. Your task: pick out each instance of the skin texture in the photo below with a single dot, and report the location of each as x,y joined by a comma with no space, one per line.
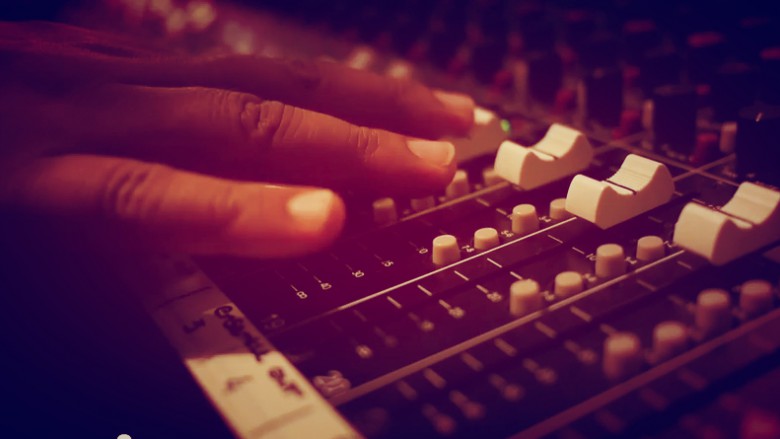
219,155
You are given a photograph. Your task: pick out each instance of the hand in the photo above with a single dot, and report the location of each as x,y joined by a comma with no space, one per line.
169,150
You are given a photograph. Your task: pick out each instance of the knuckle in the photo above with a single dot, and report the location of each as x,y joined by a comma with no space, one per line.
365,141
135,190
275,122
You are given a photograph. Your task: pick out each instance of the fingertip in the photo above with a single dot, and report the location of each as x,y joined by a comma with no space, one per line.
460,109
317,217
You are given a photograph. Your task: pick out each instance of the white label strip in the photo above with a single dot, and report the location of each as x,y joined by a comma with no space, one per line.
258,392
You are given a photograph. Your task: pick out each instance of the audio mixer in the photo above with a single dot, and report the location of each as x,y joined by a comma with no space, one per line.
604,263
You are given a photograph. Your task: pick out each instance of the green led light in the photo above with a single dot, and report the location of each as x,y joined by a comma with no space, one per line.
506,126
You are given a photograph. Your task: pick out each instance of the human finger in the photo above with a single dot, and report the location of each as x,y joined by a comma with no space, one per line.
177,210
239,134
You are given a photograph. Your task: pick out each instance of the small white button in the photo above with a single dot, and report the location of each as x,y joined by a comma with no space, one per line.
568,283
486,238
385,211
524,297
445,250
558,209
489,177
459,186
622,355
420,204
713,312
649,248
755,297
524,219
669,339
610,261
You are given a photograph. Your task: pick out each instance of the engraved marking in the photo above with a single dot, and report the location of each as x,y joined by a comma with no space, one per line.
434,378
502,211
505,347
577,311
578,251
655,220
406,390
546,330
694,380
461,275
515,275
471,362
483,202
360,315
394,302
653,399
605,328
554,239
647,285
494,263
483,289
684,265
424,290
445,305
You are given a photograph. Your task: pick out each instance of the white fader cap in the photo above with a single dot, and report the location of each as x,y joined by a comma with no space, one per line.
669,339
486,238
459,186
568,283
525,297
385,211
622,355
524,219
445,250
713,312
755,297
610,261
649,248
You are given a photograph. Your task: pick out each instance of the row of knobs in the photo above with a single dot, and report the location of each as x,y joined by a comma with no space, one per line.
525,220
526,296
385,210
712,315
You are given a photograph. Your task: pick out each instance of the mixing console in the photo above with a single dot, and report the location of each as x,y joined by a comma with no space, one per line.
604,263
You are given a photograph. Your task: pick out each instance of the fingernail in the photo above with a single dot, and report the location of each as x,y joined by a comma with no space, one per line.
311,209
437,153
457,103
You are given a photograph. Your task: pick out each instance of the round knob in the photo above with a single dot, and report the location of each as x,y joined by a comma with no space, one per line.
622,355
459,186
489,176
649,248
558,209
385,211
755,297
568,283
524,297
669,339
610,261
420,204
713,312
445,250
524,219
486,238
